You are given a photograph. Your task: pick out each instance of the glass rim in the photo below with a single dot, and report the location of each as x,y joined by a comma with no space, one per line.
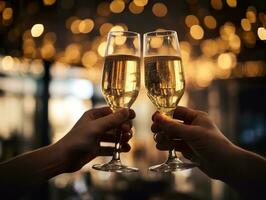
130,33
160,33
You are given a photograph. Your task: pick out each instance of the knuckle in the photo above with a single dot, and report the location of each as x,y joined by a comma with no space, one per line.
203,113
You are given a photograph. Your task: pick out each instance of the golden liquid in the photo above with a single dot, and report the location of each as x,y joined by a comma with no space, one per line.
121,80
164,81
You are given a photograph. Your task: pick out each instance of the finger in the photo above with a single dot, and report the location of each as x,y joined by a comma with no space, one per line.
185,114
132,114
108,151
175,129
125,147
154,115
98,112
112,137
111,121
126,126
155,128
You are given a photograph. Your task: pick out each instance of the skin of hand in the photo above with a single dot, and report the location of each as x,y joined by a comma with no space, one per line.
199,139
82,143
79,146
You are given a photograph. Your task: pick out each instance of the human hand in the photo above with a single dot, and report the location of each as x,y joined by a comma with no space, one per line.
82,143
201,140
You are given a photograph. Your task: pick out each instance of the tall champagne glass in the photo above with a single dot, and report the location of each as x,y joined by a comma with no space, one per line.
165,83
120,83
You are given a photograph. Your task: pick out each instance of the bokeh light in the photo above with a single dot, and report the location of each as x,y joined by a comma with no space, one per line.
105,28
261,33
210,22
37,30
49,2
246,26
135,9
159,9
140,3
117,6
89,58
7,13
191,20
86,26
196,32
231,3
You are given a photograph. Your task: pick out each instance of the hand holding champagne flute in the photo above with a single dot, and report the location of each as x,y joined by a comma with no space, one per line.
165,84
120,83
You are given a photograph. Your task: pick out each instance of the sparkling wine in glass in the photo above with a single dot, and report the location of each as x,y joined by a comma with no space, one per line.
120,84
165,83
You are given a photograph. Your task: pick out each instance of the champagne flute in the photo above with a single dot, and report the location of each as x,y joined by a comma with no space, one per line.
165,83
120,84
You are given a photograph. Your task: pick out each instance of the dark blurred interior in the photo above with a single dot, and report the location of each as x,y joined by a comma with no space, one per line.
51,55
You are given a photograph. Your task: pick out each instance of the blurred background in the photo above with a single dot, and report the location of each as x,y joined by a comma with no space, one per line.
51,57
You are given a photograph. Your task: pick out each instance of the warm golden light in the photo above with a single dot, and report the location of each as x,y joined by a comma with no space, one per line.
48,51
226,60
72,53
196,32
191,20
140,3
209,47
117,6
7,63
75,26
89,59
49,2
101,49
117,28
234,43
69,21
249,38
7,13
217,4
245,24
135,9
231,3
227,30
261,33
120,40
156,42
210,22
105,28
251,14
159,9
37,30
86,26
103,9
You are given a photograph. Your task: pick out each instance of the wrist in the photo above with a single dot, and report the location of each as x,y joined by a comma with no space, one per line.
60,157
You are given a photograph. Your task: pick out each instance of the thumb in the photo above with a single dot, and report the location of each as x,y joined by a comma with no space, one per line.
112,120
175,129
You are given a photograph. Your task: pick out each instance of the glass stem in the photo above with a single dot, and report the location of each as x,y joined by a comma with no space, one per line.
171,154
116,154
